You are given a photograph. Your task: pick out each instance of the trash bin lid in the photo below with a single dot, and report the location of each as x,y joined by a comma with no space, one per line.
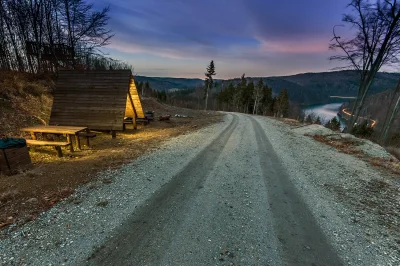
7,143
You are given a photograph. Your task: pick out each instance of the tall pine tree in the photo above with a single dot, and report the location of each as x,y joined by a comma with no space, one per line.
209,82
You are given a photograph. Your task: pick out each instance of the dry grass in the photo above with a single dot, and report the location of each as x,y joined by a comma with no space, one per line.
291,122
347,146
25,100
343,145
394,151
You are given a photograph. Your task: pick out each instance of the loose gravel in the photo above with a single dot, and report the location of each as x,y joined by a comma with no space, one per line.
356,207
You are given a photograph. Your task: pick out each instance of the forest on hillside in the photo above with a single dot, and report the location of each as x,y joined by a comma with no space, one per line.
304,89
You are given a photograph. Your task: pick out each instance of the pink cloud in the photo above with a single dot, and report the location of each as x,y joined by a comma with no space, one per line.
295,46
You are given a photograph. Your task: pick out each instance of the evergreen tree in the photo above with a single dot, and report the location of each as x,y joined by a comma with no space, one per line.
140,87
225,97
328,124
283,104
309,119
335,124
274,106
257,94
146,88
247,95
209,82
266,100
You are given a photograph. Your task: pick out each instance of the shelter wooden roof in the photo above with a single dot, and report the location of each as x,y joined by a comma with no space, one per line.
135,109
94,99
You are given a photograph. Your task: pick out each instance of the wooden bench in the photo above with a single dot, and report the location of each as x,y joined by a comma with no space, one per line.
126,122
87,135
144,121
164,117
57,144
69,131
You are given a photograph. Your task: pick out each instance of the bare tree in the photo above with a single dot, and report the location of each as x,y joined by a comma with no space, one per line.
376,43
388,123
85,29
257,94
41,35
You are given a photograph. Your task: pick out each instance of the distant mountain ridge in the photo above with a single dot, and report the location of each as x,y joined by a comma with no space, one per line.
307,88
161,83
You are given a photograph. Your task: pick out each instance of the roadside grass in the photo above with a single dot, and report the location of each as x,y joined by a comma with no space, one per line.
395,151
346,146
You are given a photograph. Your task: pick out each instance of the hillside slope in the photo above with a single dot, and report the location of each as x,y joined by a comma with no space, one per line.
25,100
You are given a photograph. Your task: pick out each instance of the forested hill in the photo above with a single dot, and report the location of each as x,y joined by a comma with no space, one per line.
169,83
312,88
308,88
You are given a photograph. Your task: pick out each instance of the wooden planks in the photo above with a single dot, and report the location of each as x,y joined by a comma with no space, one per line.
94,99
55,129
47,143
137,105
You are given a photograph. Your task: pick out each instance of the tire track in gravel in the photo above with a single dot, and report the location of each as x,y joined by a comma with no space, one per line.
301,240
144,237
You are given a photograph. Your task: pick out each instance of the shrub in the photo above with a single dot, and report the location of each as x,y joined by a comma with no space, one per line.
333,124
395,140
309,119
362,130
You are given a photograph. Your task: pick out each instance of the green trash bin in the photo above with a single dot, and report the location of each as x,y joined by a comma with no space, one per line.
14,155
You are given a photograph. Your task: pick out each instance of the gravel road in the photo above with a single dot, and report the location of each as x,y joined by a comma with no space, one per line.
247,191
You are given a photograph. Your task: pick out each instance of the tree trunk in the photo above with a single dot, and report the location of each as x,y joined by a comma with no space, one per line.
389,125
205,104
386,125
255,106
364,90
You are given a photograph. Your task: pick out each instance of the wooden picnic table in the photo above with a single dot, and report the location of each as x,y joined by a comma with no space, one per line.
58,130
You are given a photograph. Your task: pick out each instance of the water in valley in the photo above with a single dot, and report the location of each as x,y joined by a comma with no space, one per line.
325,112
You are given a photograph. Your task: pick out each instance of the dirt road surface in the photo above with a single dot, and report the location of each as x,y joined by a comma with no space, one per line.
242,192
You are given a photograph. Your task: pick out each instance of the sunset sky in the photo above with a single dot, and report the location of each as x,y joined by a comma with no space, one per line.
178,38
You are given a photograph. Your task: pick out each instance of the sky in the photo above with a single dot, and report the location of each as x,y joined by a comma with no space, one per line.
179,38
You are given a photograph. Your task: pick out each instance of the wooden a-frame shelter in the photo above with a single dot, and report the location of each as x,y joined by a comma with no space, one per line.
98,100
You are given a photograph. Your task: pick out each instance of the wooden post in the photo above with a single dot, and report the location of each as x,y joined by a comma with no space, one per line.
33,135
87,137
78,142
114,134
71,148
134,110
59,151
